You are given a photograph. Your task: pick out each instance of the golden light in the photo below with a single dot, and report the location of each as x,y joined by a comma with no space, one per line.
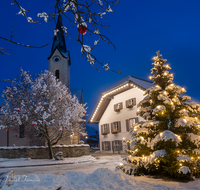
150,77
180,164
178,151
161,134
136,150
121,164
183,89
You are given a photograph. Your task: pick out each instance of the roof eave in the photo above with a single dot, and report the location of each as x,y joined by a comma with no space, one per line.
130,85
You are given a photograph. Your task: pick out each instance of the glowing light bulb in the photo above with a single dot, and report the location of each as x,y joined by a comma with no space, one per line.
161,134
121,164
136,150
180,164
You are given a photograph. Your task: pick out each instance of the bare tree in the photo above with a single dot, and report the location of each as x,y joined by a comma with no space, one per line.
45,106
86,15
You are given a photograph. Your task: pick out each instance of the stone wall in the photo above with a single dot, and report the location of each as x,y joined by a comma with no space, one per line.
41,152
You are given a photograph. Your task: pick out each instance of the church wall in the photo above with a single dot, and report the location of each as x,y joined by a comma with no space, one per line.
110,116
62,66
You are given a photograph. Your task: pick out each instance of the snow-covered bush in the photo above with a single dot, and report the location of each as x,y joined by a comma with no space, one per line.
168,142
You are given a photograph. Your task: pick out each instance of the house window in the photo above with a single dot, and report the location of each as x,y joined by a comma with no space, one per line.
118,107
57,73
105,129
117,145
116,127
21,131
106,146
130,122
131,102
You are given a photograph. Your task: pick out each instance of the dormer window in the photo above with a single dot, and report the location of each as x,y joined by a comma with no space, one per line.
118,107
131,102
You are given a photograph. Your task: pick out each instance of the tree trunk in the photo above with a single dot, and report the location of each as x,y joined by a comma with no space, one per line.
50,150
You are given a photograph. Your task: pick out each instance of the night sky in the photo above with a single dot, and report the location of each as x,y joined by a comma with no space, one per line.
138,28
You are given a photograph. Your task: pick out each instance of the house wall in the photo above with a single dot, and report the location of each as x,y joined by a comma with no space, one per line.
110,116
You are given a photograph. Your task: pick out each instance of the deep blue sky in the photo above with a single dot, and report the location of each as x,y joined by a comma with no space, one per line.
138,28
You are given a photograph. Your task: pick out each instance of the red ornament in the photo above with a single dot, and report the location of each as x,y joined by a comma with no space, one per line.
59,98
16,135
18,111
35,95
83,121
83,112
33,124
82,29
0,107
8,128
82,136
60,130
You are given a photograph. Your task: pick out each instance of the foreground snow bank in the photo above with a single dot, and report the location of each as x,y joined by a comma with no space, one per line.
100,179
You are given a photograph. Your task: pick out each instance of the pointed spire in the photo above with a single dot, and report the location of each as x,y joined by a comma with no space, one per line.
59,39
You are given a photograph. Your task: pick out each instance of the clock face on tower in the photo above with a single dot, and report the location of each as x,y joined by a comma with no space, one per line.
56,59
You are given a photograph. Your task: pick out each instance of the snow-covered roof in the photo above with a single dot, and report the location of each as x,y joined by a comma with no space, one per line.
122,85
141,82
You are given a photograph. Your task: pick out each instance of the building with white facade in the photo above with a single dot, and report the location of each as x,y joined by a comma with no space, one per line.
116,110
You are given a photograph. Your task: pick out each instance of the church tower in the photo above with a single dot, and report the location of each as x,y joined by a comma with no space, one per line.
59,59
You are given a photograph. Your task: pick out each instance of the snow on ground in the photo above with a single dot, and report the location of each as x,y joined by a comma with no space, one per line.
96,175
37,162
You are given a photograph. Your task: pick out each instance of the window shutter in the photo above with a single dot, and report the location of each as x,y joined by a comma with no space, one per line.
101,129
134,101
119,126
127,125
121,106
136,120
120,144
102,145
112,145
127,103
109,147
108,129
111,127
115,107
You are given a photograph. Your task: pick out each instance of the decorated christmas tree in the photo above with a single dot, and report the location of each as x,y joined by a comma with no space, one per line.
167,142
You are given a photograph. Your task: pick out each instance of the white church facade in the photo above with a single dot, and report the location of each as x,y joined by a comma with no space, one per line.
116,110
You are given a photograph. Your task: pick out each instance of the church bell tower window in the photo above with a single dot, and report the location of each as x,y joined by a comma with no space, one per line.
57,74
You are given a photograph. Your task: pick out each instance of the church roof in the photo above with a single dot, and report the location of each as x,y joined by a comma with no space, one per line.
59,41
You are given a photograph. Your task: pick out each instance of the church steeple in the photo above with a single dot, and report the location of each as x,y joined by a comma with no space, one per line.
59,58
59,39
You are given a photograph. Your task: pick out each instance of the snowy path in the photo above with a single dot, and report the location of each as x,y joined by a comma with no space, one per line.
96,175
101,162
